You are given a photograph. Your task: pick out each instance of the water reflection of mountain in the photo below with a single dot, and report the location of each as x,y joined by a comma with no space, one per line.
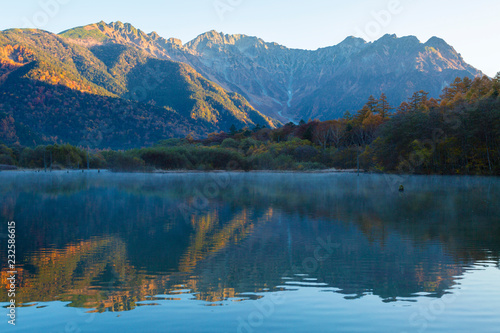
107,241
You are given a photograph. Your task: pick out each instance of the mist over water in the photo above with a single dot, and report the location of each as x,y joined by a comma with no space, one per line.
254,252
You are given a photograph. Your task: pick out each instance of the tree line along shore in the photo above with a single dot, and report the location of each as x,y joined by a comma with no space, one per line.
459,133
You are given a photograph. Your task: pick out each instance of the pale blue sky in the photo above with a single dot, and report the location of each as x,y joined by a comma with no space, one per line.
471,27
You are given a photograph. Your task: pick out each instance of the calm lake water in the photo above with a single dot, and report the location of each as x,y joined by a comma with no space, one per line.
254,252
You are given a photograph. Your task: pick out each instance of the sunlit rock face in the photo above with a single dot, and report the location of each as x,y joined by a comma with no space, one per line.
293,84
325,83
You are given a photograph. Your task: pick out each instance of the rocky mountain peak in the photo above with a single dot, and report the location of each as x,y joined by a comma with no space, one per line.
438,43
387,38
394,40
351,43
299,83
154,35
175,41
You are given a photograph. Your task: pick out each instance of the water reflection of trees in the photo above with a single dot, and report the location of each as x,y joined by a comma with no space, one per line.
138,243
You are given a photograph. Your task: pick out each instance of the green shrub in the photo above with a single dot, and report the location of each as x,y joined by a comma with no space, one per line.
248,143
312,166
167,159
119,161
230,143
7,156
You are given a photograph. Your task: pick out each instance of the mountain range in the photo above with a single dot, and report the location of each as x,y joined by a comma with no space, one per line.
112,85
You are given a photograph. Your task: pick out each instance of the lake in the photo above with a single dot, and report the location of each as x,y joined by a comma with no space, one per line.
252,252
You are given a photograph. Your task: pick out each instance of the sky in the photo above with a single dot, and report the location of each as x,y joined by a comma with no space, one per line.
472,28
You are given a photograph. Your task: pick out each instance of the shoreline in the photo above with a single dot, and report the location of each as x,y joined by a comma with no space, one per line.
186,171
165,172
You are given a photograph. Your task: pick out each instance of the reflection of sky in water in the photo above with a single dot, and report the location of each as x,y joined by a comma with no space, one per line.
217,247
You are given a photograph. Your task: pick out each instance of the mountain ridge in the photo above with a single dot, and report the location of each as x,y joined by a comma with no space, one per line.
90,83
289,83
217,80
